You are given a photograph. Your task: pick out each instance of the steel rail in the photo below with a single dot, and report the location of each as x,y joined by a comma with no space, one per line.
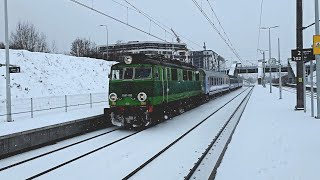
107,145
56,150
197,164
178,139
83,155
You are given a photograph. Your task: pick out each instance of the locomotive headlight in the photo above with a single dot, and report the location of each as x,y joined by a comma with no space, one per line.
142,97
128,59
113,97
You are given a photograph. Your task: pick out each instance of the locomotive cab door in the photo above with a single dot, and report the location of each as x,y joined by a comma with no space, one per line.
167,89
165,84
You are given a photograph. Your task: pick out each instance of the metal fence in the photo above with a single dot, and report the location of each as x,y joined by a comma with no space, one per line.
63,103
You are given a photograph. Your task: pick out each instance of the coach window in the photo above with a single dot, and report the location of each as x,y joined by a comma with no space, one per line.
174,74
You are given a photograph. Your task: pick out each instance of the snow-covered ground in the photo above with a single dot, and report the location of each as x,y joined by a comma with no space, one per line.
118,160
48,118
272,141
44,74
47,78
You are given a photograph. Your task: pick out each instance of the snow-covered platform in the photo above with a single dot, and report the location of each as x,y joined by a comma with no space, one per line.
51,118
21,136
272,141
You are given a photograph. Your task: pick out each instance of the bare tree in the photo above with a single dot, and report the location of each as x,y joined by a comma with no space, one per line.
82,47
54,48
2,46
42,44
27,37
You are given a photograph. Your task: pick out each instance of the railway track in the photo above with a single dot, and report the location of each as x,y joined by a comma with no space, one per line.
142,166
83,155
56,150
75,145
106,146
225,133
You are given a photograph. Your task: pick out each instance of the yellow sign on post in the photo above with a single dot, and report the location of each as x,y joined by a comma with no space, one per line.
316,45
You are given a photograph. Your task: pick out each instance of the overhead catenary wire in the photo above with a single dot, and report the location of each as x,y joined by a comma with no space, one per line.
216,29
166,28
220,24
118,20
123,5
156,22
132,26
133,8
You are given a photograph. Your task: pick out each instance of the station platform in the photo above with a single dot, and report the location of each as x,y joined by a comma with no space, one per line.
27,133
273,141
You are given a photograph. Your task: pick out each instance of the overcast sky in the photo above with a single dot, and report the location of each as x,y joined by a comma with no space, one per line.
63,21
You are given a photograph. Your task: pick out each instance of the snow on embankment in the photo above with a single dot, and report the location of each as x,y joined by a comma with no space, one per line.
44,74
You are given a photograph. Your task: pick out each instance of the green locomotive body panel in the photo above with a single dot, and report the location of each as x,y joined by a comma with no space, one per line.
164,85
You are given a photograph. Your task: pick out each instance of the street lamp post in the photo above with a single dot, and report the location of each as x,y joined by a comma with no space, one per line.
269,28
107,31
8,88
279,61
263,52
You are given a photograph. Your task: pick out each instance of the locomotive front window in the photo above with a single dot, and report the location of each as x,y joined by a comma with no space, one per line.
117,74
142,73
128,73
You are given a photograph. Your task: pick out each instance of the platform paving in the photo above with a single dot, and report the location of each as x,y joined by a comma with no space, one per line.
273,141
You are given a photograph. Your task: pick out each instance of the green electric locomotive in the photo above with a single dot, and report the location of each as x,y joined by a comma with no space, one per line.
145,89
